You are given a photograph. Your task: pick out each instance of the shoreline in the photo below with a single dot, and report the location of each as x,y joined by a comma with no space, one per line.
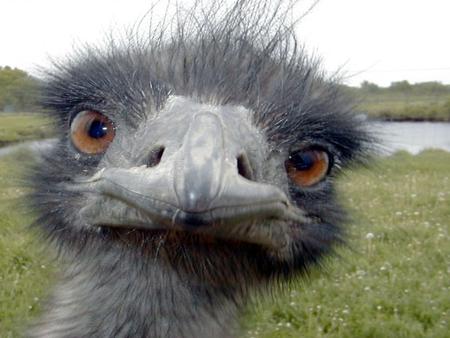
406,119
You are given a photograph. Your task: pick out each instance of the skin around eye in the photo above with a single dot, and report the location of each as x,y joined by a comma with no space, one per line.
307,167
91,132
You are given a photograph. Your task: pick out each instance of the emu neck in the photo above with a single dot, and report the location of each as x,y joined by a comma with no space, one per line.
120,294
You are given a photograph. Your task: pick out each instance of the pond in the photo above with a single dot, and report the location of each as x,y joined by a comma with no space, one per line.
412,136
31,145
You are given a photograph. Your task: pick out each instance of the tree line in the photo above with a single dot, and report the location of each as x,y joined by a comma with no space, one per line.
431,88
18,90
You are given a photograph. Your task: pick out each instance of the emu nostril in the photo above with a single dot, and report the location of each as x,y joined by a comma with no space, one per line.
244,168
155,157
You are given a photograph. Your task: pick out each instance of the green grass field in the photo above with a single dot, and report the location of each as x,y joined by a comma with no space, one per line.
25,268
19,127
392,281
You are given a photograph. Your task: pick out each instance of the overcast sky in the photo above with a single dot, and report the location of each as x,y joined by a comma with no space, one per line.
376,40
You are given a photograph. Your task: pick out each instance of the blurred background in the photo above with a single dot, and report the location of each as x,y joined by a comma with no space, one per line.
392,58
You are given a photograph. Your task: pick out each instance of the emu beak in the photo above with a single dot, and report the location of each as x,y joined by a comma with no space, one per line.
200,186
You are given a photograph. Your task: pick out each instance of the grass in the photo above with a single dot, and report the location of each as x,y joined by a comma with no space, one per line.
25,269
19,127
394,282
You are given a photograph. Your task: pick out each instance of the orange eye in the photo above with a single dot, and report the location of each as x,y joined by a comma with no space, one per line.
91,132
307,167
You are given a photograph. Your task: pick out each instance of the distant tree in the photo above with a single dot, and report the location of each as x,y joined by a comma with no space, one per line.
401,86
369,87
18,90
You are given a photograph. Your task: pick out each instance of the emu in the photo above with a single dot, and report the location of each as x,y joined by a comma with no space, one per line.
192,169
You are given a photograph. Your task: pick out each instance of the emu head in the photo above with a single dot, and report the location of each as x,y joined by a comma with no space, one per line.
211,154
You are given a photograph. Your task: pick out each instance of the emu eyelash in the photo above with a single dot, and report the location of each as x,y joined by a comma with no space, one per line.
82,107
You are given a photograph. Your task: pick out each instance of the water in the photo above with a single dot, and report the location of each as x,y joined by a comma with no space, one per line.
31,145
412,136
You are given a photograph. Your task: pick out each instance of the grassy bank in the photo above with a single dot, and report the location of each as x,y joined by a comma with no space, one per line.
400,108
429,101
394,282
19,127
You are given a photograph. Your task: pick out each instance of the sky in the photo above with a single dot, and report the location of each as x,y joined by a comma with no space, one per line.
380,41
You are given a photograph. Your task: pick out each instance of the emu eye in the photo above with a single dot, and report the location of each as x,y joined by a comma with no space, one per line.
91,132
307,167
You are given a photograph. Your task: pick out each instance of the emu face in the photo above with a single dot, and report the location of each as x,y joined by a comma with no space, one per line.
192,168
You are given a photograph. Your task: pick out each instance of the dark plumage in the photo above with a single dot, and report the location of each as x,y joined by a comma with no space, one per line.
190,207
